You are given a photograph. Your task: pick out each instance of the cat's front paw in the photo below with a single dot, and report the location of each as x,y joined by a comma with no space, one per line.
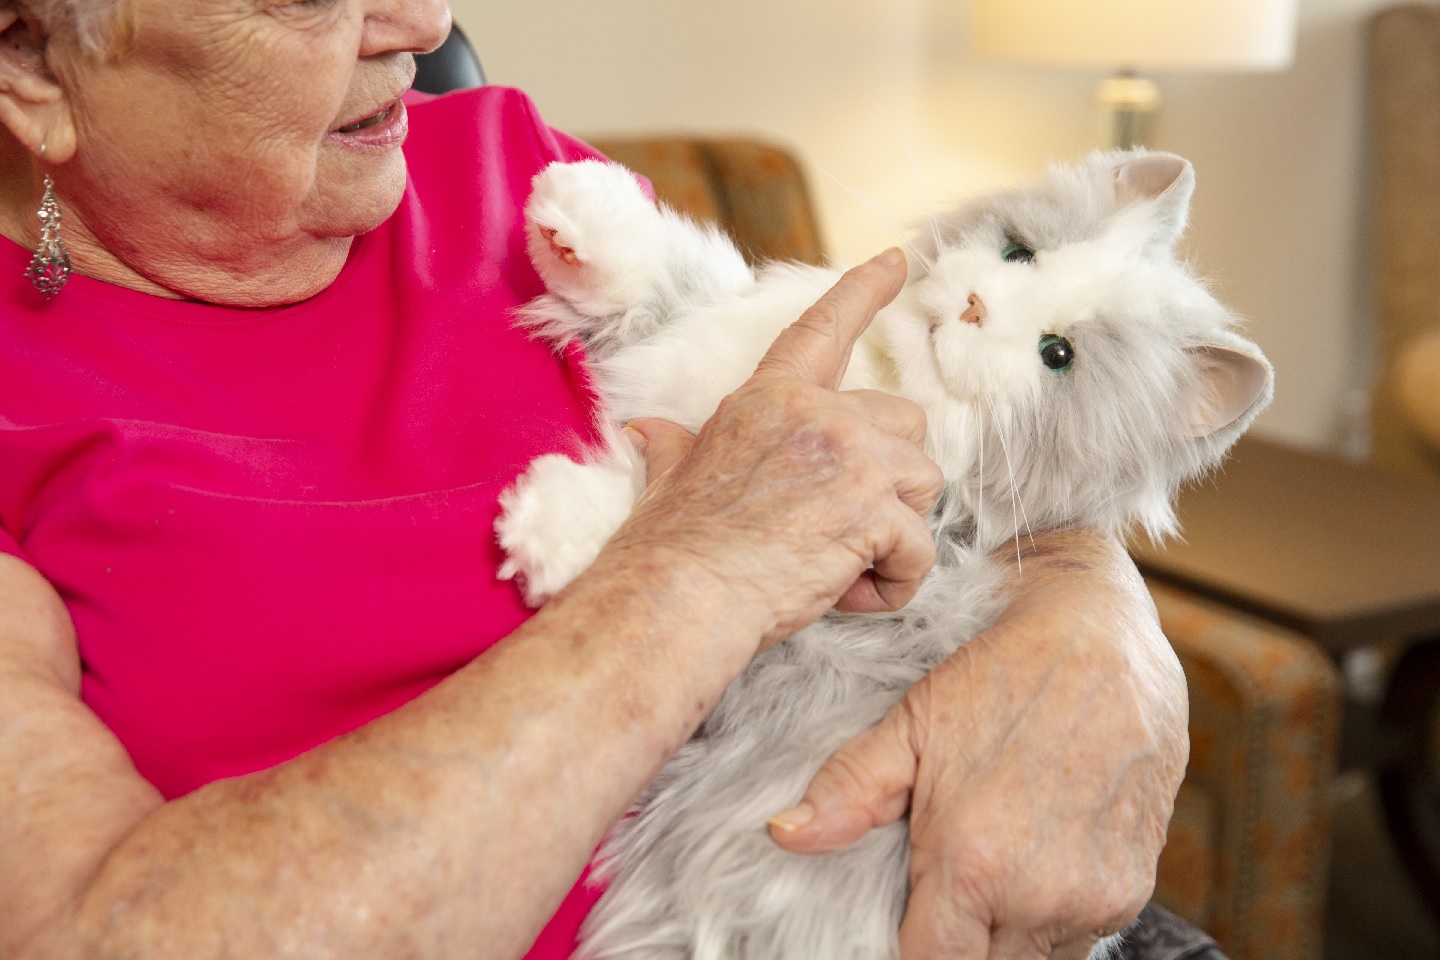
556,517
593,235
558,250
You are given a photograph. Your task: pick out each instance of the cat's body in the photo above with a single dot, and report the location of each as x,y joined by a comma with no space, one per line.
1072,373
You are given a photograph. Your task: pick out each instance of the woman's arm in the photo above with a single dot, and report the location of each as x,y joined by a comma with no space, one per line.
1040,765
454,826
460,819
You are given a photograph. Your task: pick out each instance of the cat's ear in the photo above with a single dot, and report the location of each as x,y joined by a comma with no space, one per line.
1229,386
1163,180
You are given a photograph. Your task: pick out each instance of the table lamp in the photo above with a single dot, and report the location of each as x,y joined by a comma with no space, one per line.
1136,35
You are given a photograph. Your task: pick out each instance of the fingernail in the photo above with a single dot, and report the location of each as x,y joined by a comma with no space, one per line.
892,257
794,818
636,438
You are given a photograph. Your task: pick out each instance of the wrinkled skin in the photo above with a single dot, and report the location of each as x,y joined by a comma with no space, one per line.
218,121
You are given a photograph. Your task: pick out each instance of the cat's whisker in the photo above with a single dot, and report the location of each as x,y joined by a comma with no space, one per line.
925,192
894,227
1017,503
980,495
1018,499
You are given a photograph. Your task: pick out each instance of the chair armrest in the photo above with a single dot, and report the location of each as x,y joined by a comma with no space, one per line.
1248,851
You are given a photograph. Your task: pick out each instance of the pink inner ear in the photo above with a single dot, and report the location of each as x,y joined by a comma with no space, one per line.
1228,383
1148,177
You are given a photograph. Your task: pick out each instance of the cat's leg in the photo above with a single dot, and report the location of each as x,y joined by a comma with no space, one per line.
616,264
555,518
593,235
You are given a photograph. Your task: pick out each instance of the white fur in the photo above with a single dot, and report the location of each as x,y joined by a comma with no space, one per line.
554,522
674,320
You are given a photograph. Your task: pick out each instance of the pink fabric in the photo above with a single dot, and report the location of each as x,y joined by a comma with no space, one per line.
272,526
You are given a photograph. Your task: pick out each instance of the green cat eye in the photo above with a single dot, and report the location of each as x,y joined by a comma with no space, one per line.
1056,352
1015,252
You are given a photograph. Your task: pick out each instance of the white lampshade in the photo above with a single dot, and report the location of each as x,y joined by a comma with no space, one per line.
1139,34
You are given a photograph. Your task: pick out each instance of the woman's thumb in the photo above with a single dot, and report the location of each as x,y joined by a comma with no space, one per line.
865,784
662,443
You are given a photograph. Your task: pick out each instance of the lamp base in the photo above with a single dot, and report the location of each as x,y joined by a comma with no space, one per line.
1128,102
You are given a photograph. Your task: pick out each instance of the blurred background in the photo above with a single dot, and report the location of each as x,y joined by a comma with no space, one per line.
1278,220
1305,601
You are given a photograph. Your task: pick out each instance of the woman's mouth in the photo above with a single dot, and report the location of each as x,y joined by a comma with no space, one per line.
382,128
369,121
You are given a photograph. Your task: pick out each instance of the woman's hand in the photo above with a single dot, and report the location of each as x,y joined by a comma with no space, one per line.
1040,765
794,494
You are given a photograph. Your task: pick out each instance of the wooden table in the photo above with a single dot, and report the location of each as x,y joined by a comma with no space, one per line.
1343,552
1348,554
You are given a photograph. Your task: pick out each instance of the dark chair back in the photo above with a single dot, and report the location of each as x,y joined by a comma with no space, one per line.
451,66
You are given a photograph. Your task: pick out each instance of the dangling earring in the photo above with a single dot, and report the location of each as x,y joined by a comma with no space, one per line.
50,268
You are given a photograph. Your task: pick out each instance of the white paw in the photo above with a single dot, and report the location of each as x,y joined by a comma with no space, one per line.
556,517
593,235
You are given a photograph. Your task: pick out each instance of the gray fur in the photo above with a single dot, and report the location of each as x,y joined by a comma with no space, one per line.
692,873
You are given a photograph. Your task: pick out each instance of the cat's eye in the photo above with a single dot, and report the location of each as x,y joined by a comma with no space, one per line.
1056,352
1016,252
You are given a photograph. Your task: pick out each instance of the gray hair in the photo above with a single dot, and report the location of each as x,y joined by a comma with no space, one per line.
99,26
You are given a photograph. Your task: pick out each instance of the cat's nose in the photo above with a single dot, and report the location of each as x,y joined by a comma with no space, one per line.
975,313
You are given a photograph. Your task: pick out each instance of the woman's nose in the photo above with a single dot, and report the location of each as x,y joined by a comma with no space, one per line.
405,26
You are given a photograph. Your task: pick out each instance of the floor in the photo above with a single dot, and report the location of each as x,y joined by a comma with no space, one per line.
1372,912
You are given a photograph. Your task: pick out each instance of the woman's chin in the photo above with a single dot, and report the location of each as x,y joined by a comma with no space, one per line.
354,192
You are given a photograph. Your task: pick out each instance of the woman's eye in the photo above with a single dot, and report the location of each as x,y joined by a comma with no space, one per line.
302,6
1017,253
1056,352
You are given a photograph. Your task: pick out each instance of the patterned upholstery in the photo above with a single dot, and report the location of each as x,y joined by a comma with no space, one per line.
755,191
1247,853
1248,850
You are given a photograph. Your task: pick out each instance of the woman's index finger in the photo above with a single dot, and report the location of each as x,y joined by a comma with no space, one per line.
817,346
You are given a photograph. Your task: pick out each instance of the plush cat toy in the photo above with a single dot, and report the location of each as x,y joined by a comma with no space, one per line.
1073,373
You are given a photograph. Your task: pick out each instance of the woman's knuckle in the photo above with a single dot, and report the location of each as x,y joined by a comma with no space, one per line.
915,417
824,317
1141,888
1106,905
924,545
1114,917
726,408
868,783
801,400
934,481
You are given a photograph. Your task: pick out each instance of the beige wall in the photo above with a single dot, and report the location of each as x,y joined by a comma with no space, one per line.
854,85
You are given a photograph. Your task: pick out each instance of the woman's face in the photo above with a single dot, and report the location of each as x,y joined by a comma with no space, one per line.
235,147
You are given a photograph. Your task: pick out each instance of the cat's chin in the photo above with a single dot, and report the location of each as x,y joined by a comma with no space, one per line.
981,371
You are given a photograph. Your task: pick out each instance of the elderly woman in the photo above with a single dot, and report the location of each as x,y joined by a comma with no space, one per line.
260,692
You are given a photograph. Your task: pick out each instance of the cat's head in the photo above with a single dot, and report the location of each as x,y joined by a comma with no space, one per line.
1101,373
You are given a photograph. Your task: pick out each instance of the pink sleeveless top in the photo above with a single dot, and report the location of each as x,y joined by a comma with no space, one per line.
272,526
